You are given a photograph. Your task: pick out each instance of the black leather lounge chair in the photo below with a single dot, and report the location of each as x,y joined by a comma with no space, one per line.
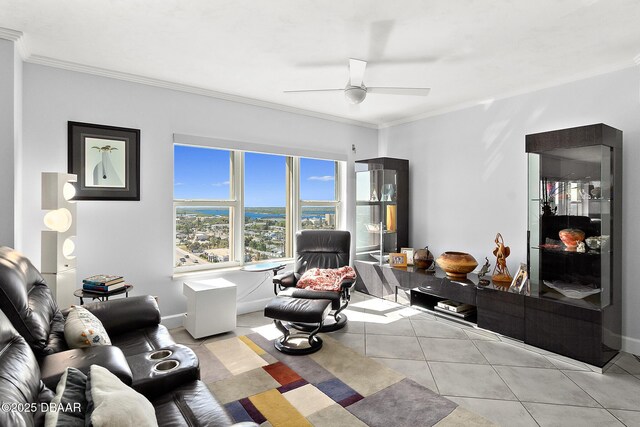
319,249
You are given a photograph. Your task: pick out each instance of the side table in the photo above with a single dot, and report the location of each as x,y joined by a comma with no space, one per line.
265,266
211,307
101,296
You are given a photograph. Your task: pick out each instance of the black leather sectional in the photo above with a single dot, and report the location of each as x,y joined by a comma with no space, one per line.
34,353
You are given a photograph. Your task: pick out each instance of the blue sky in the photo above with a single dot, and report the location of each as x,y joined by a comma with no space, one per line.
203,173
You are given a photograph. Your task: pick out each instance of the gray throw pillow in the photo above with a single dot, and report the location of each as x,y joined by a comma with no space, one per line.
69,405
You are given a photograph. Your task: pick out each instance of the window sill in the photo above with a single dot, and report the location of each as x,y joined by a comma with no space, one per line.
215,271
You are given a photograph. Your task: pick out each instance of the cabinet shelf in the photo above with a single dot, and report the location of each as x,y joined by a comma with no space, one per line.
374,203
561,251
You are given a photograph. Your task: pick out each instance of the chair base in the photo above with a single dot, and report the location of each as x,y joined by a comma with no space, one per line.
287,346
329,325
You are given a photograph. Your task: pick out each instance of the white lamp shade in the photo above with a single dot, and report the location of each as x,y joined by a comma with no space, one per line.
68,191
58,220
68,248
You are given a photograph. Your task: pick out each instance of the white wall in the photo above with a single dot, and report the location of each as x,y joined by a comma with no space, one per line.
135,239
17,148
10,74
468,171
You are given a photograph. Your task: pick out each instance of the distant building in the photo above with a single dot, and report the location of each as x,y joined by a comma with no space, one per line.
330,219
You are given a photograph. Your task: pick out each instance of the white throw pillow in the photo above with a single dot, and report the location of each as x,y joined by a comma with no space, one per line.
112,403
83,329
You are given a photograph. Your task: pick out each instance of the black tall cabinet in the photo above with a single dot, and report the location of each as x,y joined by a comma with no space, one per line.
575,183
382,206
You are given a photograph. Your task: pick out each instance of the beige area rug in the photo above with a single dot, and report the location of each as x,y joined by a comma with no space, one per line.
333,387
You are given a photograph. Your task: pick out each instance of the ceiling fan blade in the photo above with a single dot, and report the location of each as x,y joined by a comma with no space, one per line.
356,71
418,91
314,90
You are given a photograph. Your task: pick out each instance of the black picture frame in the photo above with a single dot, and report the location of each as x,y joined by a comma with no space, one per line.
112,171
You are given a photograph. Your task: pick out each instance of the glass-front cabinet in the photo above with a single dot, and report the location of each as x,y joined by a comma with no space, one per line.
574,236
571,223
382,205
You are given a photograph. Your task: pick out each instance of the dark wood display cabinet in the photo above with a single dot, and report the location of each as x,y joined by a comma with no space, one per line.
495,308
574,242
382,206
573,306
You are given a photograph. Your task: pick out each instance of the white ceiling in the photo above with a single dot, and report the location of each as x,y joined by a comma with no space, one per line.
467,51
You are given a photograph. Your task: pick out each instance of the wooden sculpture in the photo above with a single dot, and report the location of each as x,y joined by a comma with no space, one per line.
501,274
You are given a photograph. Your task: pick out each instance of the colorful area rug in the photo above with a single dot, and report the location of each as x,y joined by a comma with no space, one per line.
333,387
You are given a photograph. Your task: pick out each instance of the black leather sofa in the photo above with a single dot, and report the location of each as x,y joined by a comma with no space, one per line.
32,336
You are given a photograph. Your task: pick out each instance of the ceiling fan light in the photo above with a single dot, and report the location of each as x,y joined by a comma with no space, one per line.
355,94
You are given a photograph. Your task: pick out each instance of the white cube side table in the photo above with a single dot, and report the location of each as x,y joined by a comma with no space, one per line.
211,307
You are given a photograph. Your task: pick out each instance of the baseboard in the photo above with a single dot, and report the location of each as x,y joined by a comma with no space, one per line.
173,321
631,345
251,306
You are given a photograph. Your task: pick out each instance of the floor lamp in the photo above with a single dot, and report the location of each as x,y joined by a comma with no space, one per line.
58,259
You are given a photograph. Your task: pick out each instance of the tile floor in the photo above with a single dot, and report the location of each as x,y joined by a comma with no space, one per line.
503,380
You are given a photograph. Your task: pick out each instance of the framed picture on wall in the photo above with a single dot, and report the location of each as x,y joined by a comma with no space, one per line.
106,160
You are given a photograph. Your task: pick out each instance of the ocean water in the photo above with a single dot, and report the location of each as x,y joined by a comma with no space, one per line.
254,213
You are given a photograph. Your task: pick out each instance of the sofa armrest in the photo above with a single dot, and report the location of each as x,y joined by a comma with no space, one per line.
126,314
53,366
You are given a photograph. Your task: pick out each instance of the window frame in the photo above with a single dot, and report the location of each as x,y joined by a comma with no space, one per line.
335,203
235,203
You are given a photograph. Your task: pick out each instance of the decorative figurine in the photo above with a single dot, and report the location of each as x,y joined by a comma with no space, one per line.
374,196
388,193
501,272
484,270
582,248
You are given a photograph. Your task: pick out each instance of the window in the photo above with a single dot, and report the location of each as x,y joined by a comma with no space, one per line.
265,195
235,207
318,194
204,205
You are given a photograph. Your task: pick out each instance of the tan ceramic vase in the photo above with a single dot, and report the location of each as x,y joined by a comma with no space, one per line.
457,264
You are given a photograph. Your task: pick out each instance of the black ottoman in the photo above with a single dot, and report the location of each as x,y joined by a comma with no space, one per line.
288,309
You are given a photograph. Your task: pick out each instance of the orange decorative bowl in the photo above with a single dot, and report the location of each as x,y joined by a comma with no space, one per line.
571,237
457,264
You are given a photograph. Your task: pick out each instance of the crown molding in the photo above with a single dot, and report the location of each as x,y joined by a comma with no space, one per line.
9,34
103,72
530,89
19,38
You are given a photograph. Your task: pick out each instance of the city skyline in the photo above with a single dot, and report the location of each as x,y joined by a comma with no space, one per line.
204,173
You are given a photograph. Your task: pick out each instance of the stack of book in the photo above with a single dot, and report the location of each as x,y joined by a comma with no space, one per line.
454,308
103,283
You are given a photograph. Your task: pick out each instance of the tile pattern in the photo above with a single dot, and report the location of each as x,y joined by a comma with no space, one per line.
511,384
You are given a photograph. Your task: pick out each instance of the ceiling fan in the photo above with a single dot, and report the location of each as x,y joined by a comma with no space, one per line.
355,91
